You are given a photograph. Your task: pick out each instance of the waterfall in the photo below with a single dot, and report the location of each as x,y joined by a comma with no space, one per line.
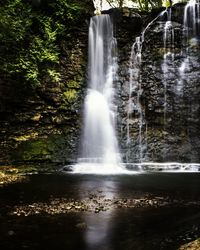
191,30
134,103
168,57
100,153
191,18
99,142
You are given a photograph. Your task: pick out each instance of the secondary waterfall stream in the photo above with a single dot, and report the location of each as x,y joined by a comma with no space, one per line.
134,102
168,57
190,32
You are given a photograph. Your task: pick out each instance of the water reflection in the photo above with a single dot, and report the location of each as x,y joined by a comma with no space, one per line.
98,230
138,228
119,228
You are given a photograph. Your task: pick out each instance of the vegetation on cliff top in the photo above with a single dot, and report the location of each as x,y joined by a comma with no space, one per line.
142,4
30,32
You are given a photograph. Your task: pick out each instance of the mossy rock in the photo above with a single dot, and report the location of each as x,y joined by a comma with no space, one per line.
52,149
35,149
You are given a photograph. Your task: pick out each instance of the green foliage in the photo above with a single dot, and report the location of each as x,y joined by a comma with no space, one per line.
73,84
30,31
65,10
147,5
54,75
70,95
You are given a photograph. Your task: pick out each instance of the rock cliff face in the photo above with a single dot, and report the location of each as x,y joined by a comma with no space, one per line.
44,125
168,98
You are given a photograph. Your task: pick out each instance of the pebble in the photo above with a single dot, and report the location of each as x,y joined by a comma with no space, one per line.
11,233
57,206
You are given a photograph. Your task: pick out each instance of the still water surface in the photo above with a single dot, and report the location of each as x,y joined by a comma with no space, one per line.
165,227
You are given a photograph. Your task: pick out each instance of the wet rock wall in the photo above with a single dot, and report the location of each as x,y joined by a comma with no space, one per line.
169,101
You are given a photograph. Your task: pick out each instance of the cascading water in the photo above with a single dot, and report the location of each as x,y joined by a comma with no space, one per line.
100,153
191,18
99,144
191,29
134,103
168,57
